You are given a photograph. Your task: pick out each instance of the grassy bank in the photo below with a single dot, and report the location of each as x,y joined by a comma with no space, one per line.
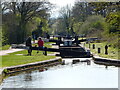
19,58
5,47
112,52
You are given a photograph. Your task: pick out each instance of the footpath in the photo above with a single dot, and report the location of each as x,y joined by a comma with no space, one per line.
6,52
10,50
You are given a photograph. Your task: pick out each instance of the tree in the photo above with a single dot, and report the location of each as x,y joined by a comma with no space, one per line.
57,26
80,11
114,21
104,8
27,11
65,14
94,25
23,12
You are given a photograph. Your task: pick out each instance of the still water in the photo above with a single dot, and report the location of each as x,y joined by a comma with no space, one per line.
78,75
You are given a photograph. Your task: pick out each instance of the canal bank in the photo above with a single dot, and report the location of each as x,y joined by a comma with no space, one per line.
105,61
101,60
41,66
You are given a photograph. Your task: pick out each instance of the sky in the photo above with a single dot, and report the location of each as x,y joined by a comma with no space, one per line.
59,4
63,3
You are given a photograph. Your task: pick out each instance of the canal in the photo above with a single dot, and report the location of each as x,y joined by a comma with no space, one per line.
70,75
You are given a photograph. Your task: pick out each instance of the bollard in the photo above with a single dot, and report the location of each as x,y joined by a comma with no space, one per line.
93,46
98,50
76,40
45,51
106,49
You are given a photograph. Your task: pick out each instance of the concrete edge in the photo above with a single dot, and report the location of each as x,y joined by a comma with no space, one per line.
106,61
106,58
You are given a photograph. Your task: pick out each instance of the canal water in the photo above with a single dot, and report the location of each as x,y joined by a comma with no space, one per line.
78,75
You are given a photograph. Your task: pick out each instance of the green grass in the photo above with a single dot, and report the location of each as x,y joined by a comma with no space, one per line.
112,52
19,58
13,59
81,38
5,47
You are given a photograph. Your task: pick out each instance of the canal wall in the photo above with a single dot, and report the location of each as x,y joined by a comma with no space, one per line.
41,66
106,61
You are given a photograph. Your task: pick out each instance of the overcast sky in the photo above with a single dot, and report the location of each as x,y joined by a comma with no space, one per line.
62,3
59,4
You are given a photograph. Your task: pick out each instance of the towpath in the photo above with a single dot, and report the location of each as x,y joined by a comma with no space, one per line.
10,50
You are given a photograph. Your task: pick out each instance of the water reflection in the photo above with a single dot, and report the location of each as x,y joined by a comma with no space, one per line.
106,67
70,75
28,76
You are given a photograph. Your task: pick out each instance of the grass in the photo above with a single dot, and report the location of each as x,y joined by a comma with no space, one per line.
20,57
112,52
5,47
81,38
13,59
